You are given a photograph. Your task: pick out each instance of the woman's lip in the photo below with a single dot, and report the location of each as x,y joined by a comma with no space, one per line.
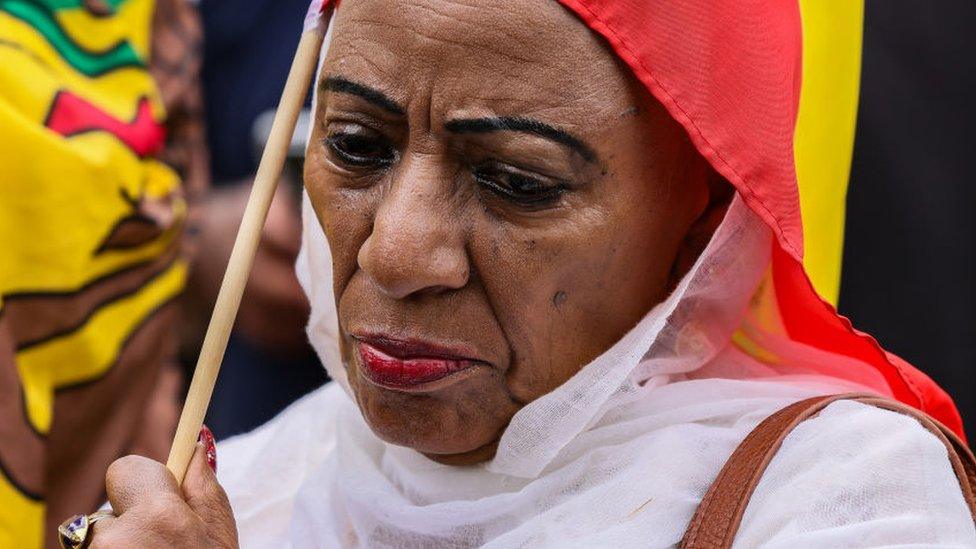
405,349
412,367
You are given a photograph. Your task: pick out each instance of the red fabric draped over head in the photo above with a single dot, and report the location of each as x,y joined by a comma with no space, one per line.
729,71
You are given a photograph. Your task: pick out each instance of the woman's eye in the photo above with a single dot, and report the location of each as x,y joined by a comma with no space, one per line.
361,150
519,187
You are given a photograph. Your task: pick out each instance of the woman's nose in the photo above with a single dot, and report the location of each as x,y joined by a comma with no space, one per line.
416,246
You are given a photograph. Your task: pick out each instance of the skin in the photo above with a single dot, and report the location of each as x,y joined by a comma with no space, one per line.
153,511
533,255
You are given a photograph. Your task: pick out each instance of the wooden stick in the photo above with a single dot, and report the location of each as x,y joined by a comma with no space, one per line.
242,256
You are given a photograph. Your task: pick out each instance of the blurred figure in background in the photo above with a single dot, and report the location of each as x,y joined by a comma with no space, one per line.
103,152
268,363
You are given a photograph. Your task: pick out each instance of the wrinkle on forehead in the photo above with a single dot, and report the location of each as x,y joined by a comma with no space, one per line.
529,57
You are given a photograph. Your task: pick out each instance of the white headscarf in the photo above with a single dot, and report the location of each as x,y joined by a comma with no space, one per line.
619,455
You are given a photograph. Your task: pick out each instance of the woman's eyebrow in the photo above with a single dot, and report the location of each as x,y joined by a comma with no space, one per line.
372,95
521,124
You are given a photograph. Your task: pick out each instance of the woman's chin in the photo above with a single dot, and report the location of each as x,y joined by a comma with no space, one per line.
472,457
457,426
448,446
442,437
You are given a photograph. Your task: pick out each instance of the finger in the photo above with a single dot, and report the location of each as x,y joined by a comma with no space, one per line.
208,500
103,532
134,479
131,531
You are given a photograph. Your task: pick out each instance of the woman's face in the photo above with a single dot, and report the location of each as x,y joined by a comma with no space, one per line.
503,202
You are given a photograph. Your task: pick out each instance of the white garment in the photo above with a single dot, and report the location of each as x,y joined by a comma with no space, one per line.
619,456
855,476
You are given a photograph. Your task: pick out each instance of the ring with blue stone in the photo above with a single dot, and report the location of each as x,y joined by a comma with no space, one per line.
75,533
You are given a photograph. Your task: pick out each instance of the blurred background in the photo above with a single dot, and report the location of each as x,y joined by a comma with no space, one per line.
909,267
909,254
248,48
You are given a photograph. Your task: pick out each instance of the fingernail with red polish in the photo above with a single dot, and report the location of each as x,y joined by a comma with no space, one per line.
207,438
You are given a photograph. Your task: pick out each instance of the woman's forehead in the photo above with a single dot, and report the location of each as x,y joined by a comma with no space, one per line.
516,55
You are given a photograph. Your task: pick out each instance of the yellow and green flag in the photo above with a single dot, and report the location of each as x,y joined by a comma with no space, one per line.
89,228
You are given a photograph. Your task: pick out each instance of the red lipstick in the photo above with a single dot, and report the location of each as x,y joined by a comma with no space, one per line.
406,365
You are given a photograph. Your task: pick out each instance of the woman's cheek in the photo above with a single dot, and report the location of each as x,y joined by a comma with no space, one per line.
531,297
347,219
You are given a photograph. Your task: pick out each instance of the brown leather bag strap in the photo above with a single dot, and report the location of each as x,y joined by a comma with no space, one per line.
718,516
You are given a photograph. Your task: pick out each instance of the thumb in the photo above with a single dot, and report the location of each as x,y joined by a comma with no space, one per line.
133,480
208,500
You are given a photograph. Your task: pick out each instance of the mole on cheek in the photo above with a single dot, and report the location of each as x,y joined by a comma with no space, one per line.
559,298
